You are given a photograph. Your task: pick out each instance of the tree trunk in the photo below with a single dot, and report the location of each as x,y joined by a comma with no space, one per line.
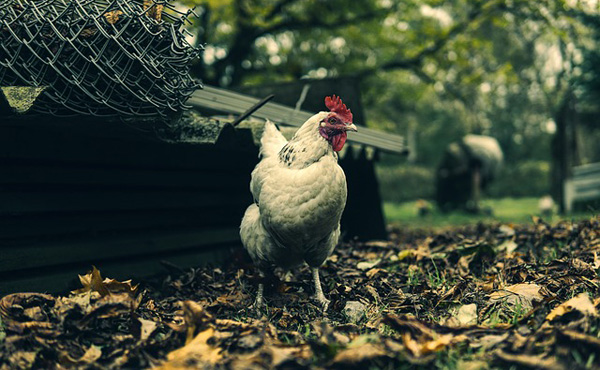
563,148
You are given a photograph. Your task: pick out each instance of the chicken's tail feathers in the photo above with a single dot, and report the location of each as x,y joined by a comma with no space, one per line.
271,141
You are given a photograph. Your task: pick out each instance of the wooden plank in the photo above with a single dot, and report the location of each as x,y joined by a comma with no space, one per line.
587,169
582,183
21,229
63,278
50,173
120,246
53,144
20,202
231,102
587,194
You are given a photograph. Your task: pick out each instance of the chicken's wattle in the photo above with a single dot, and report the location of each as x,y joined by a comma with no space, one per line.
338,141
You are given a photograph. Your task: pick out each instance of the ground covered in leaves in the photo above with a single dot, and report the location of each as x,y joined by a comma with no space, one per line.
484,296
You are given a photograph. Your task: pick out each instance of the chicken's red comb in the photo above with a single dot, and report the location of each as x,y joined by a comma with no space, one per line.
334,103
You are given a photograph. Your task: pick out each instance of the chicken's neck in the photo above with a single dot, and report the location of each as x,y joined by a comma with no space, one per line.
305,148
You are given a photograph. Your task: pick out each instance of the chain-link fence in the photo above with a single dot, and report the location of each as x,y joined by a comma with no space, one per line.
104,58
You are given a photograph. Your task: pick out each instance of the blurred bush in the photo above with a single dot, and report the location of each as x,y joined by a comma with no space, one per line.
405,182
409,182
523,179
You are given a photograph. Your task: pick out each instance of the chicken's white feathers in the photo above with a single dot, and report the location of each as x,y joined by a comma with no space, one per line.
299,193
271,141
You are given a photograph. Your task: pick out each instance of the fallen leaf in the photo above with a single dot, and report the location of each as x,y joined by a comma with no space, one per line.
403,254
92,281
529,361
195,318
367,265
281,355
197,352
147,328
524,294
466,315
23,359
580,303
375,272
421,348
508,246
506,230
91,355
357,354
488,341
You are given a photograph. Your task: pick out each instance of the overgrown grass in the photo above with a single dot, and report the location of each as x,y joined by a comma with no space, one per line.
510,210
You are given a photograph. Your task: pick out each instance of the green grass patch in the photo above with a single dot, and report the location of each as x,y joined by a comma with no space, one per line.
508,210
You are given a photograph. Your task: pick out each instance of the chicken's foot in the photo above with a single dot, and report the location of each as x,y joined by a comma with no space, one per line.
319,296
259,302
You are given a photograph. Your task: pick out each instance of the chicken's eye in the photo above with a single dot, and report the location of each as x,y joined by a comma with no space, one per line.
332,120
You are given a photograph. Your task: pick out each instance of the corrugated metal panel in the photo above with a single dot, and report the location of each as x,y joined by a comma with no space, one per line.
232,102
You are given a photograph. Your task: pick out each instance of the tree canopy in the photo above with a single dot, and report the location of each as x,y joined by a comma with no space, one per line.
440,68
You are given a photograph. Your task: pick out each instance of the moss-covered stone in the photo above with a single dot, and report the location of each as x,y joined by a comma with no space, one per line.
21,98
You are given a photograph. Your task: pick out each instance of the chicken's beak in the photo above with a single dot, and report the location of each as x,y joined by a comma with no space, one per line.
351,127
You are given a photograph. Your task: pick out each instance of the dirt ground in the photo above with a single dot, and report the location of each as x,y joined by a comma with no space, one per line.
477,297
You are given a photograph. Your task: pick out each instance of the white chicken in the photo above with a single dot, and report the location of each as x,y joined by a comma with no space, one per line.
299,194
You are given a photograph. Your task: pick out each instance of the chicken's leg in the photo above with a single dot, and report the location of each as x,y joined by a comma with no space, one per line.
259,301
319,296
265,274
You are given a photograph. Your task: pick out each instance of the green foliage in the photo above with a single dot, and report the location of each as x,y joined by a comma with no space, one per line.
441,69
523,179
403,183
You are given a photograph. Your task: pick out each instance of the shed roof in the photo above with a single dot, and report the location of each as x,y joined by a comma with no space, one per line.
222,100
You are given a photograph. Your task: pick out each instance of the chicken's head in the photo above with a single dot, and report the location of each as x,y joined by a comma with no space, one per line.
333,128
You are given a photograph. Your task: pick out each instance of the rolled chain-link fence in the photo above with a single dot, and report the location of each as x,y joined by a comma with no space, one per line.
96,57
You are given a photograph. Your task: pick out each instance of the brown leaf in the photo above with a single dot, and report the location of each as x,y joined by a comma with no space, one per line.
147,328
112,17
465,315
375,272
284,354
92,281
22,313
195,317
91,355
9,303
357,354
580,303
153,10
423,346
530,361
197,353
588,340
22,359
525,294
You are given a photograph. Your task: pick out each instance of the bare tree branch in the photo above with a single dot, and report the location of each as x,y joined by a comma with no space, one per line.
448,87
295,24
278,8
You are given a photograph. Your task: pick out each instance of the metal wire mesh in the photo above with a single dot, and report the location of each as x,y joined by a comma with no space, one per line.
104,58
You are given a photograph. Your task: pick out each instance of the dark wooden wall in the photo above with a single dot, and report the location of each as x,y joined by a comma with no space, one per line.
363,217
77,192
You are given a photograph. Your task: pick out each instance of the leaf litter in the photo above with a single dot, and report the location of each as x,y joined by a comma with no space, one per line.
482,296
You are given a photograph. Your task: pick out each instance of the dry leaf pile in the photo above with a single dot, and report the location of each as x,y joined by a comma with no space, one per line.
484,296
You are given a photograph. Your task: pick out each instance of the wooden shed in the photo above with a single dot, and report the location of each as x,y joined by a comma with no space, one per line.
125,195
